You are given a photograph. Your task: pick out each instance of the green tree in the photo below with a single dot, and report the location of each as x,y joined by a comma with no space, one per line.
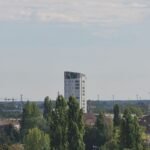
104,130
90,137
127,138
135,110
130,132
47,109
12,133
100,136
75,125
117,116
110,145
59,125
31,117
36,140
9,135
47,114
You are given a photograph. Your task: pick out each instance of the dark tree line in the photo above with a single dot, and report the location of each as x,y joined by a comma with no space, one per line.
61,127
63,124
124,133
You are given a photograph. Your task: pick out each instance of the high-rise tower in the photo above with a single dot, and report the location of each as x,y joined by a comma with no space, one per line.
74,85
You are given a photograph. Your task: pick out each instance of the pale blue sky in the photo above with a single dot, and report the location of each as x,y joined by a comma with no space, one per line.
106,40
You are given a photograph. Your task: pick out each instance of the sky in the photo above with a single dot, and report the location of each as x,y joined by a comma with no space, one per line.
108,40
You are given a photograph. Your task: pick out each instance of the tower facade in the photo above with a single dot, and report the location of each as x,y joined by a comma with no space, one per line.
75,85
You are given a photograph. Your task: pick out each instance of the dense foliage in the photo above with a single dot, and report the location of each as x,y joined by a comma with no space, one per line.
31,118
36,140
117,117
61,127
9,135
125,134
130,132
75,126
96,137
139,107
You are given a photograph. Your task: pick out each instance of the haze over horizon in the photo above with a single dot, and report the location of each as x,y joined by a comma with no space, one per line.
106,40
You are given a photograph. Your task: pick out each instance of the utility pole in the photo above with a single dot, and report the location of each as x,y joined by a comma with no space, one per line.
98,97
58,93
113,98
21,100
21,97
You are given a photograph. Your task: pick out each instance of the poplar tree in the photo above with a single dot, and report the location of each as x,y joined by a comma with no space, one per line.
75,125
31,117
47,113
117,118
104,130
130,132
59,126
36,140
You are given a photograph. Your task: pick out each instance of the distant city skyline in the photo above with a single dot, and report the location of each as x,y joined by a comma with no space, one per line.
106,40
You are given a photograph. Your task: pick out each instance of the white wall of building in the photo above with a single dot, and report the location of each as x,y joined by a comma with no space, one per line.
75,85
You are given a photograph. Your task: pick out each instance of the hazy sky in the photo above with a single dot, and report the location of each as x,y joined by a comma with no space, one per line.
108,40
